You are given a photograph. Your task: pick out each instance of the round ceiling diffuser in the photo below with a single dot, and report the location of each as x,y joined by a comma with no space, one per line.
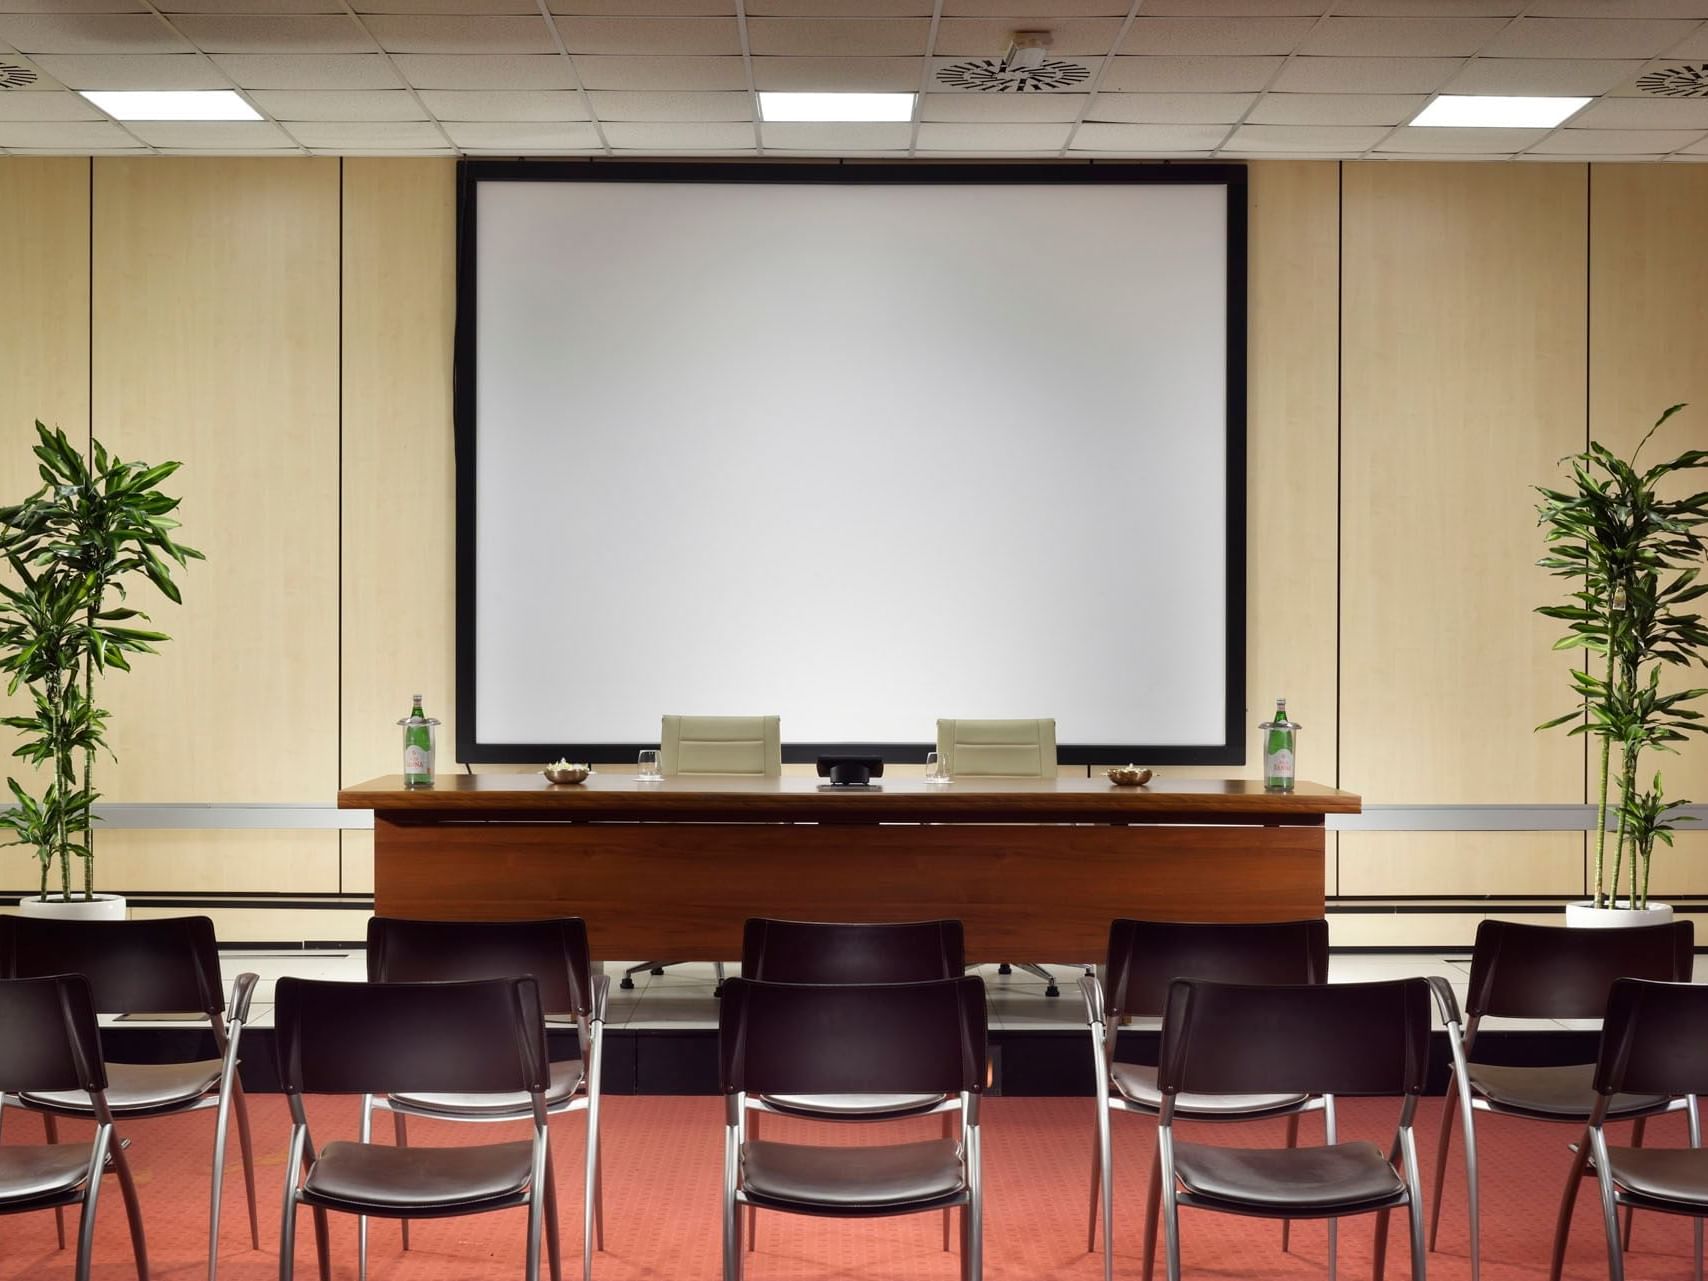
12,76
1685,81
996,75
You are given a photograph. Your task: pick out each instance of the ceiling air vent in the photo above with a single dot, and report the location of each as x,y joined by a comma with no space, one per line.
1684,81
12,76
993,75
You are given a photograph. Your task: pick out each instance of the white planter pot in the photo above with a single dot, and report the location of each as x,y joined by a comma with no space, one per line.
103,907
1586,916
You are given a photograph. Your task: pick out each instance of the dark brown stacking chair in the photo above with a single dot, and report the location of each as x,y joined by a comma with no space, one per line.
51,1043
821,952
1654,1042
555,953
1322,1040
1543,972
149,967
482,1037
785,1039
1143,958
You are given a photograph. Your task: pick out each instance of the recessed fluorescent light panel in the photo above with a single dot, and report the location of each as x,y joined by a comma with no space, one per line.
836,106
190,104
1479,112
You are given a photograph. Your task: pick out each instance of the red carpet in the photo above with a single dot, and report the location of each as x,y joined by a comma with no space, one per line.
663,1160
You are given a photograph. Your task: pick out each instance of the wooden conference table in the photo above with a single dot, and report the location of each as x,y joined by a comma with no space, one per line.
669,870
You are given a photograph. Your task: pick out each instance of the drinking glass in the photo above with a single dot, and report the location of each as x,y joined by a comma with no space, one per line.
646,766
936,768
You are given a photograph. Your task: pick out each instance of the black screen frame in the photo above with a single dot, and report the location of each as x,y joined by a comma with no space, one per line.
472,173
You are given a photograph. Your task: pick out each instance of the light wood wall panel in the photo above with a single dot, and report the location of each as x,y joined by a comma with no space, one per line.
399,538
44,329
216,342
1463,375
1461,864
203,861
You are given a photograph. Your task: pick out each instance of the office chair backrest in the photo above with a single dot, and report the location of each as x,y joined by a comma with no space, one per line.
1654,1039
1146,956
487,1036
738,745
880,1038
50,1040
1318,1038
149,966
818,952
998,749
1555,972
553,951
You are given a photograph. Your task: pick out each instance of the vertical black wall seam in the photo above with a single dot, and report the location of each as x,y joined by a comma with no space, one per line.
1339,393
1588,375
338,728
89,368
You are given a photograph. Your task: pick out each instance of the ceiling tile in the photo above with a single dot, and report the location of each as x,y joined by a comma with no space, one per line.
1693,9
1587,38
1171,108
1604,142
308,70
1692,46
15,62
625,8
73,6
486,71
993,137
134,71
335,104
1698,148
524,135
383,135
1000,107
73,136
246,33
1163,74
688,135
834,75
271,7
1644,113
617,105
838,8
1343,140
670,74
496,8
1663,68
55,105
1365,75
509,104
1239,8
1148,138
1337,108
1429,8
1576,76
440,33
1216,35
213,135
801,136
837,37
90,33
1402,37
1422,140
650,35
989,37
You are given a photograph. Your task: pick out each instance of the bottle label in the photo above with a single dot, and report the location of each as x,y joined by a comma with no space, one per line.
1278,764
415,760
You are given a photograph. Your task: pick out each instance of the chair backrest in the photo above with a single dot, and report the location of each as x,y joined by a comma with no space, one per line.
148,966
1654,1039
50,1039
1146,956
820,952
1318,1038
1555,972
486,1036
739,745
866,1038
553,951
998,749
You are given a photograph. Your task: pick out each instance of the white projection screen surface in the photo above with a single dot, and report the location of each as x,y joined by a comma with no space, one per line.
859,453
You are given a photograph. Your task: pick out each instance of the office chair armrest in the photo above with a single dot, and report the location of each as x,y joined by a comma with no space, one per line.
1092,993
1445,1001
601,996
242,993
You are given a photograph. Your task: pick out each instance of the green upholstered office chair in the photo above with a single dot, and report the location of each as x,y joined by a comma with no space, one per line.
742,746
1001,749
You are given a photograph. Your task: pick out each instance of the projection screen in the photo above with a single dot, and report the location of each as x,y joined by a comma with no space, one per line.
861,446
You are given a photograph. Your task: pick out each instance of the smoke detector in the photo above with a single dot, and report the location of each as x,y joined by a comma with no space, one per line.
12,76
1025,68
1683,81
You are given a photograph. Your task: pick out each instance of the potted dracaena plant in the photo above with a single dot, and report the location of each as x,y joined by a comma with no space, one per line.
97,525
1630,543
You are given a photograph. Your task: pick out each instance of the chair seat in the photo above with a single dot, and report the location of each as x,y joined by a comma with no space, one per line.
865,1107
565,1080
140,1087
1137,1084
1289,1180
41,1170
1677,1176
851,1179
1565,1092
370,1177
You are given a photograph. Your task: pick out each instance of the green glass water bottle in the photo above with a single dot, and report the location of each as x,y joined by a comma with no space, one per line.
417,746
1280,747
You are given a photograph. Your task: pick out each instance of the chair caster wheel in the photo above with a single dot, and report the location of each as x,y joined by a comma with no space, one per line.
1005,968
718,990
628,984
657,969
1052,990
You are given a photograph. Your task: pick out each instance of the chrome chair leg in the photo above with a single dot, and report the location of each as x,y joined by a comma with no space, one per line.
222,1118
364,1134
1331,1134
731,1210
1153,1211
1106,1178
1414,1210
1609,1206
1096,1193
91,1193
1287,1224
553,1258
246,1145
1637,1128
1170,1207
974,1255
531,1268
400,1135
288,1218
1568,1201
133,1208
50,1127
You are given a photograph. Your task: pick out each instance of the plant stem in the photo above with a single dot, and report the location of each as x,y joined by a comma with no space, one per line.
1601,798
89,755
